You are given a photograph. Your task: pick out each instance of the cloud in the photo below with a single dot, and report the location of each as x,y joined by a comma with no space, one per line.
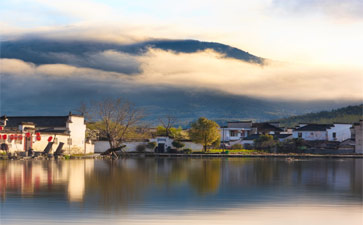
15,66
312,31
206,70
337,9
108,60
276,80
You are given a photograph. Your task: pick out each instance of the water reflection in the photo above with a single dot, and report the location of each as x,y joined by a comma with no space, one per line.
177,185
130,180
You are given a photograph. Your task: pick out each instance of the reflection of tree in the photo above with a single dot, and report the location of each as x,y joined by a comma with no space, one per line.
206,178
127,182
116,185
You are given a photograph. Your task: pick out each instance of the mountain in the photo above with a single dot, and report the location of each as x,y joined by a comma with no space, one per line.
349,114
86,53
35,89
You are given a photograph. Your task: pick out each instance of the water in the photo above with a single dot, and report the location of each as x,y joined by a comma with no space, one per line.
182,191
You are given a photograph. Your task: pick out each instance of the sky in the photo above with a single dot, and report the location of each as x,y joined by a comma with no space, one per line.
313,48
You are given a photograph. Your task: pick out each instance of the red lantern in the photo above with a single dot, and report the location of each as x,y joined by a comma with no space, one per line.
38,134
1,128
20,137
5,136
27,135
50,139
11,136
38,138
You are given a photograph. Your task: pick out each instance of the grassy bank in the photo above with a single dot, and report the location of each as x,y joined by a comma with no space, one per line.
235,151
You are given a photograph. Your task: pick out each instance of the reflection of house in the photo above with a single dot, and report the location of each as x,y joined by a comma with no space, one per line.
21,133
34,176
358,136
326,132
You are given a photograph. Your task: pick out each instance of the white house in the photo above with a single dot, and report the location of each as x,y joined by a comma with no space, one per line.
21,133
323,132
235,130
240,130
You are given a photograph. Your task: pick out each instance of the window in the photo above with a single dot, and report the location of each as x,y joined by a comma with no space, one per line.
233,133
69,141
334,135
299,135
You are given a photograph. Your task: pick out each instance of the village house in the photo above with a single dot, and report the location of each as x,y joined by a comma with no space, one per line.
238,130
323,132
21,133
245,132
235,130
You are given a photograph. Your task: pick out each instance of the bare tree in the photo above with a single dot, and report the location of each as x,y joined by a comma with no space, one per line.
167,122
117,117
84,110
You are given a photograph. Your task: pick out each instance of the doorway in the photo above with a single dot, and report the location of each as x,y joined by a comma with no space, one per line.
161,148
28,143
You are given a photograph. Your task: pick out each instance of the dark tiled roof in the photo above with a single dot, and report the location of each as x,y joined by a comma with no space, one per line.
282,135
39,121
266,126
51,130
315,127
252,137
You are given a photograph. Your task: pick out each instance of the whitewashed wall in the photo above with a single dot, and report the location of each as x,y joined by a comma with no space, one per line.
342,132
358,130
77,131
39,146
311,135
101,146
193,146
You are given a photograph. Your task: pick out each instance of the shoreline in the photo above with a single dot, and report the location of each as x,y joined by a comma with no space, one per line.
182,155
267,155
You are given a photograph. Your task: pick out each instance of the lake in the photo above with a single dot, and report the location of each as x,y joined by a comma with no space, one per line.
182,191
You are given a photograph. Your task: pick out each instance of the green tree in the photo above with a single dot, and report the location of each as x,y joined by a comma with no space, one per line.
172,132
204,132
265,142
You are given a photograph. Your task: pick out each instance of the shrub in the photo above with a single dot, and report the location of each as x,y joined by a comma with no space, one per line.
292,145
178,144
168,149
265,142
187,151
237,146
141,148
151,145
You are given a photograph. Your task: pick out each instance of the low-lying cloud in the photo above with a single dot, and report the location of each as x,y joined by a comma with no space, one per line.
201,70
